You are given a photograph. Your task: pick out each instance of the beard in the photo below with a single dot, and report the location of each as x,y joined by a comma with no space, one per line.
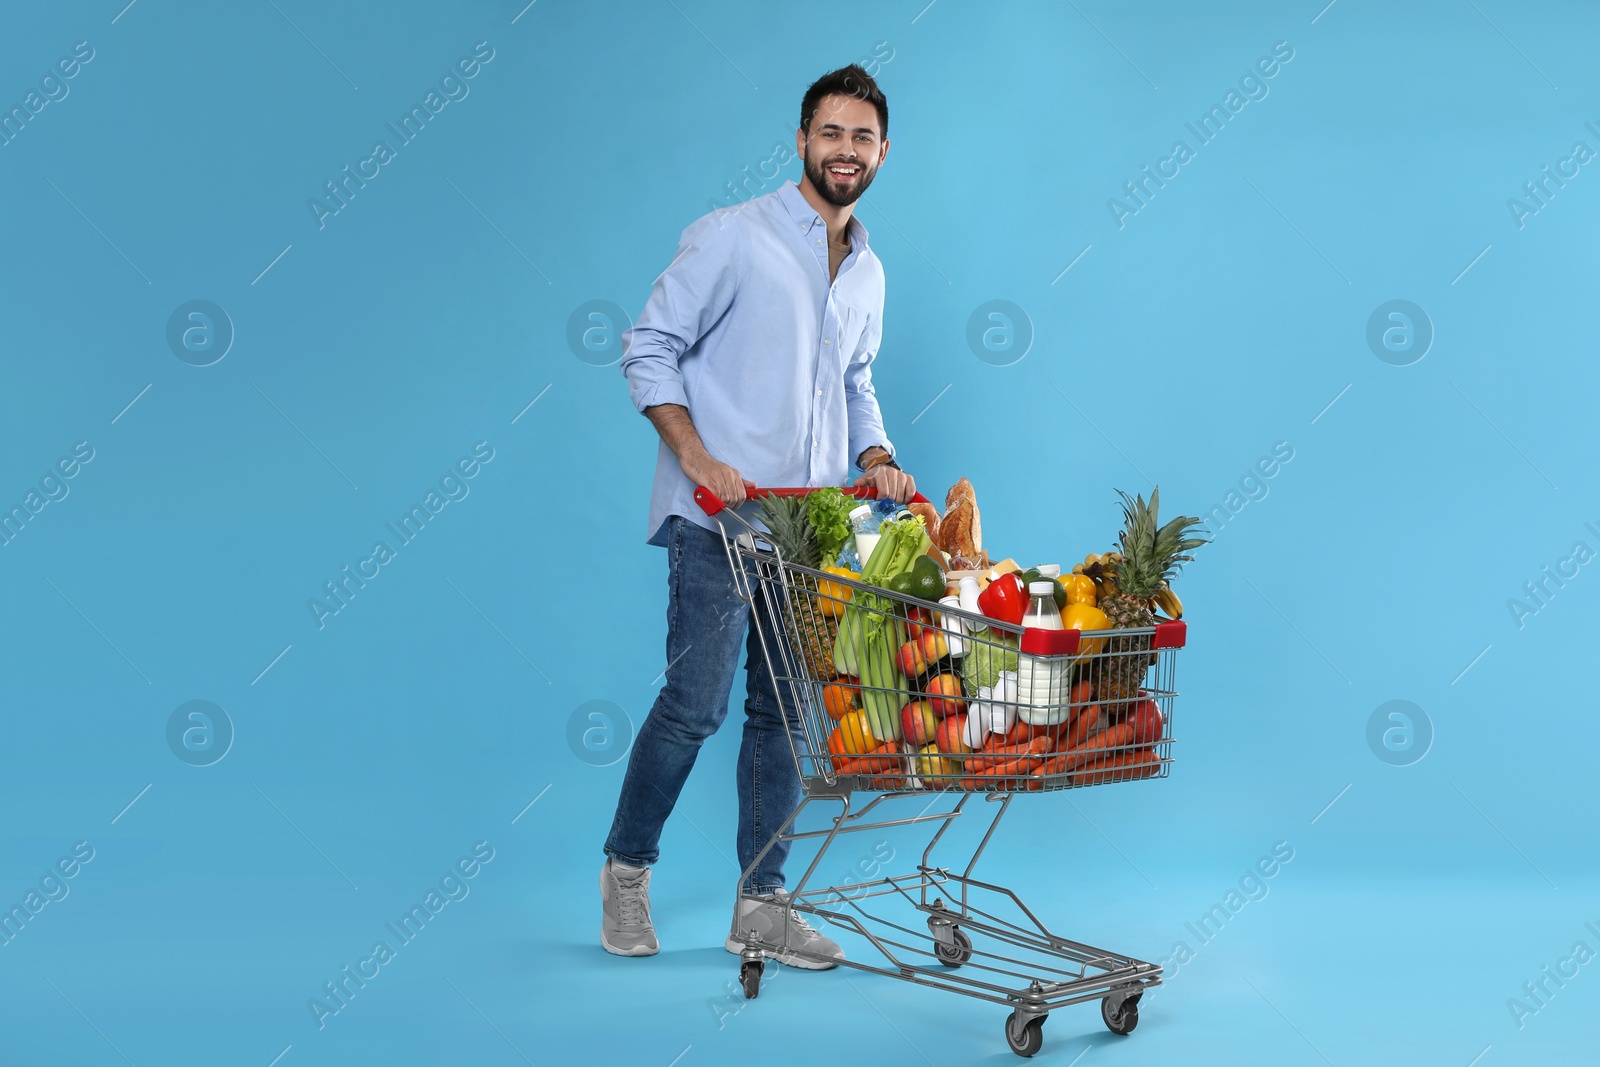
835,193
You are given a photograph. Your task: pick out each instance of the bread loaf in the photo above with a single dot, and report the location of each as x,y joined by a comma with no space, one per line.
961,530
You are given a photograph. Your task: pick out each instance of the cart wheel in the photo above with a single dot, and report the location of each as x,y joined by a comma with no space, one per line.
956,953
750,978
1123,1021
1027,1038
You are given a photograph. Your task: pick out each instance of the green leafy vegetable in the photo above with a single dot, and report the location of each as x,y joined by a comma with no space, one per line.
870,634
829,512
990,654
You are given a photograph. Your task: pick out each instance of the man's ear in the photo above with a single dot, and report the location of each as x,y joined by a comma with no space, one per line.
883,152
800,143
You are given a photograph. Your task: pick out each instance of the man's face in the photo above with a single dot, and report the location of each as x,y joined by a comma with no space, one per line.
842,150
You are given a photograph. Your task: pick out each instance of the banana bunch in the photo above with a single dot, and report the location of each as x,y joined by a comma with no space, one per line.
1102,567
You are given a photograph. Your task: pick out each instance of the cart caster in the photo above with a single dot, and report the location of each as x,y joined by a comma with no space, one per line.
1124,1018
1026,1038
750,978
957,952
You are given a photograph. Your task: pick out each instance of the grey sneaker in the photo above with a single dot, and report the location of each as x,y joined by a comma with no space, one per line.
765,917
625,928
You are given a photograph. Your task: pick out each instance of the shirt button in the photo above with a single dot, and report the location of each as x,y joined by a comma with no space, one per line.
819,392
826,341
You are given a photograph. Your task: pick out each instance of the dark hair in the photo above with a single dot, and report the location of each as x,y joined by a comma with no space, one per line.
846,81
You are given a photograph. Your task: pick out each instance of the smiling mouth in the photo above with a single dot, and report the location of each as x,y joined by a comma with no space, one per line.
843,173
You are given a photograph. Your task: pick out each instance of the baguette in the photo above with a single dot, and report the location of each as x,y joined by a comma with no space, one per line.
930,519
964,538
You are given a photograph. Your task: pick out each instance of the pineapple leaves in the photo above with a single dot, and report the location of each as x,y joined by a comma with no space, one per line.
790,529
1152,554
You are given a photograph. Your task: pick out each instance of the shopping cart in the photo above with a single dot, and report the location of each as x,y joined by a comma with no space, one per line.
1106,718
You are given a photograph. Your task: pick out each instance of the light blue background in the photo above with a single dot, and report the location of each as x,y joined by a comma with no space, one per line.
426,316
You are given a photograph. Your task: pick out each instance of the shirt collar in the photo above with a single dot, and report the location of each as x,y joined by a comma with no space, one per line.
807,216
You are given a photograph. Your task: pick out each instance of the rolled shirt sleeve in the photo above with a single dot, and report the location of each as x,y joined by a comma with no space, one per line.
861,402
694,291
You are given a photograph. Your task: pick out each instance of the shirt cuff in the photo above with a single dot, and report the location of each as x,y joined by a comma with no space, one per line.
661,393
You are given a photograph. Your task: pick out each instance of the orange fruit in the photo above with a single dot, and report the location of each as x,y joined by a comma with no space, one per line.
839,698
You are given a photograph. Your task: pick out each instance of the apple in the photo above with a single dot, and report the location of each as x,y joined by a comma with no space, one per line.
935,645
931,766
918,622
1147,722
912,662
944,694
950,737
918,723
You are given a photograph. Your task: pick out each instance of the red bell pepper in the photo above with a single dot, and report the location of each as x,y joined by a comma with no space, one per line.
1004,600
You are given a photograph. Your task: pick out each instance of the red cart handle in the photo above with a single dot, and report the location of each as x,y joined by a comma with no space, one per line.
711,504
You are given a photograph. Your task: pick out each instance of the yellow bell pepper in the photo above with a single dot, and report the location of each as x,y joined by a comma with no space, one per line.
833,596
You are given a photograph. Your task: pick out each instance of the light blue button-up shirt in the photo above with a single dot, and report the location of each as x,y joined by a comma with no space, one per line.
772,359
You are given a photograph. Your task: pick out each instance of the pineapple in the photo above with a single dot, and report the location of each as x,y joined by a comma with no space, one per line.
789,529
1151,555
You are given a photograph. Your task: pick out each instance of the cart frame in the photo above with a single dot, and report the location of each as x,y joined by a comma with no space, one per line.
969,947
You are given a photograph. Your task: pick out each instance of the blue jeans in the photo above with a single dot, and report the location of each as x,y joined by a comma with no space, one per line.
706,623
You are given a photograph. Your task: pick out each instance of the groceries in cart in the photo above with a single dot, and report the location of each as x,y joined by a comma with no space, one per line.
937,668
911,662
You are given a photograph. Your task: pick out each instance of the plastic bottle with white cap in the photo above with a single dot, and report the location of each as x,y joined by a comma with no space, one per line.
1041,683
864,523
955,627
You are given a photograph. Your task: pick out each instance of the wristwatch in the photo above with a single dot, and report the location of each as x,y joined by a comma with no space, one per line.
887,461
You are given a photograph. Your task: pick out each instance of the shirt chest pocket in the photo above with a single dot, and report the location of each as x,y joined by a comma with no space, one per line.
852,325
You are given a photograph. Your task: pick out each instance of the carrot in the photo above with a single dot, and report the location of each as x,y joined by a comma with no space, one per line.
1113,767
986,782
874,761
983,761
998,748
1061,732
1056,764
1086,720
1009,770
1122,767
993,742
1106,741
1020,732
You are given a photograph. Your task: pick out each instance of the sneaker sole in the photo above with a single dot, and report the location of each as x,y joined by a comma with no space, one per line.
809,963
637,950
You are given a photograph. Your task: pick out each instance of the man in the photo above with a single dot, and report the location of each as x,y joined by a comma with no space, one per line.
752,358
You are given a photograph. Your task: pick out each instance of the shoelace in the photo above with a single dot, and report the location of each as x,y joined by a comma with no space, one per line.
630,902
796,920
799,921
